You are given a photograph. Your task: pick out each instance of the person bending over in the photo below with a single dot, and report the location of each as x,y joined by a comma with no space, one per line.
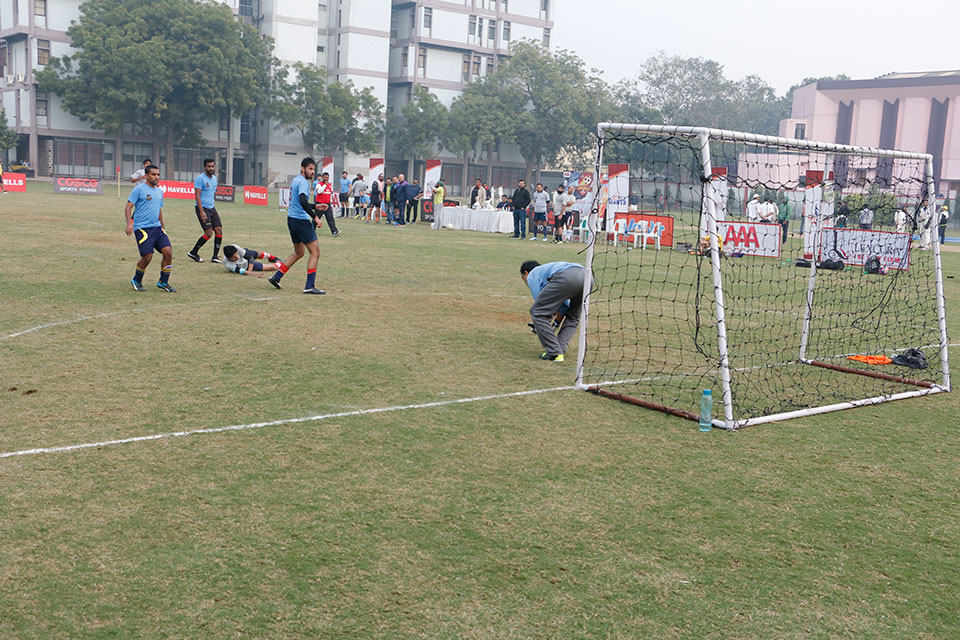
557,289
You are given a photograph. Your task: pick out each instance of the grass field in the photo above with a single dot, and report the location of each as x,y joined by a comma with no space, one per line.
548,515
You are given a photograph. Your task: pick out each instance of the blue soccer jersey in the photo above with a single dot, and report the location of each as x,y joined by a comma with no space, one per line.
345,185
147,202
208,187
297,186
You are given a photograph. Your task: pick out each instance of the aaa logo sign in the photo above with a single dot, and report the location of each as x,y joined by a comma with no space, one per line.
750,238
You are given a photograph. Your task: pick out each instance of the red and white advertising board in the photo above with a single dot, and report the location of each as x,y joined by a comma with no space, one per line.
16,182
750,238
376,168
177,189
618,188
662,225
255,195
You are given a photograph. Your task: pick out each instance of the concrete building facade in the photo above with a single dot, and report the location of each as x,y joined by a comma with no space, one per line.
907,111
386,45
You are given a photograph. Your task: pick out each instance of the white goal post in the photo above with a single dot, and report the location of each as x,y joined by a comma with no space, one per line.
773,340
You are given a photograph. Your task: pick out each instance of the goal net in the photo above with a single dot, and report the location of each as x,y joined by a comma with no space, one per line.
789,277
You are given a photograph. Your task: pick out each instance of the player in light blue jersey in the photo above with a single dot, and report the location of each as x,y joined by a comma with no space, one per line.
144,213
204,190
302,222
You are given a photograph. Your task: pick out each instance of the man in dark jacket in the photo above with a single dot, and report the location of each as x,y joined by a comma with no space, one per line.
520,201
400,199
414,193
475,193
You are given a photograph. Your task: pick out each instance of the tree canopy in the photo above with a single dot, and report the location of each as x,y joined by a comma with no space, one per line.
329,117
8,137
416,132
164,66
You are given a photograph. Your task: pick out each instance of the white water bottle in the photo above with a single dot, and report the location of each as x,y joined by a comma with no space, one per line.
706,408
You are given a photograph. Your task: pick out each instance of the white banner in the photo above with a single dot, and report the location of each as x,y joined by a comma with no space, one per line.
618,189
750,238
854,246
430,177
284,197
376,168
717,191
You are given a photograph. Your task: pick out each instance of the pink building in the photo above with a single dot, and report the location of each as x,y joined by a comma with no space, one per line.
906,111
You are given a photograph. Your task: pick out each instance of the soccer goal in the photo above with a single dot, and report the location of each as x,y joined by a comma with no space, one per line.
789,277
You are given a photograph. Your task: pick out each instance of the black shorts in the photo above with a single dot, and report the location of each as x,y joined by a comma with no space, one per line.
213,218
151,239
301,231
344,198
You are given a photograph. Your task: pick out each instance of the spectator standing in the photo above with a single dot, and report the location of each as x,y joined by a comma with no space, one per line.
783,217
753,209
358,189
137,177
376,191
541,200
767,211
942,223
414,193
344,193
478,194
520,201
866,218
324,202
900,220
562,211
924,222
400,200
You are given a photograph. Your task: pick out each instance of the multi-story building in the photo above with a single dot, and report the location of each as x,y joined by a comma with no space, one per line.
387,45
907,111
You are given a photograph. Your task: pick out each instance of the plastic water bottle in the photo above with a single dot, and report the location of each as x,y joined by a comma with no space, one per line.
706,408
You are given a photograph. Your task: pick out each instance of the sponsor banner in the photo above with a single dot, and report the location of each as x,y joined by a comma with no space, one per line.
16,182
427,212
430,177
225,193
661,226
283,197
177,190
83,186
854,246
326,166
750,238
618,188
376,168
255,195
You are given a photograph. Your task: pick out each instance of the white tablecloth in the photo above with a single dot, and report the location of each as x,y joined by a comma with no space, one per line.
489,220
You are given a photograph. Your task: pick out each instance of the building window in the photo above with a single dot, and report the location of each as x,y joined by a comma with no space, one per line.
504,3
427,20
546,38
225,123
480,28
422,61
404,61
393,25
43,52
42,107
466,67
489,65
544,8
476,66
245,128
472,26
245,8
39,7
506,31
800,131
492,30
3,58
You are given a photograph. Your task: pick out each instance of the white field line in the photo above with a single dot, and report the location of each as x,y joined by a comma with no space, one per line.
273,423
110,314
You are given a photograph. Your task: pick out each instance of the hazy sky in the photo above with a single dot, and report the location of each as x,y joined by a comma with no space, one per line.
782,42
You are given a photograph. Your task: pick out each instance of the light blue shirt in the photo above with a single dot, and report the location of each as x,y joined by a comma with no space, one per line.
208,187
297,186
147,202
537,279
345,185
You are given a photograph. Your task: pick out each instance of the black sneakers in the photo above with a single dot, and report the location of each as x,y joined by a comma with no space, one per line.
194,257
315,292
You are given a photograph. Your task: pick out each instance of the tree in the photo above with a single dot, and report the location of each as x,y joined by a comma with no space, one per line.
164,66
416,133
8,137
477,118
329,117
553,102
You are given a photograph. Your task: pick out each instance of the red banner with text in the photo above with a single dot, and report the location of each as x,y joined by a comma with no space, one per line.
15,182
255,195
177,189
660,225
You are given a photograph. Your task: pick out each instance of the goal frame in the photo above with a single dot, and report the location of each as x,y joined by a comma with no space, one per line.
703,136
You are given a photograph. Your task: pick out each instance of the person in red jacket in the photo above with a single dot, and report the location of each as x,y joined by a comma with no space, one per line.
324,201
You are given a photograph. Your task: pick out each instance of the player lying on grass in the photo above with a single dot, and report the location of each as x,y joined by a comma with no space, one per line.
243,261
557,288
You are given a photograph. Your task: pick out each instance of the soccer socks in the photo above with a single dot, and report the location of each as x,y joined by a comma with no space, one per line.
216,245
202,240
281,271
269,257
164,273
311,279
138,276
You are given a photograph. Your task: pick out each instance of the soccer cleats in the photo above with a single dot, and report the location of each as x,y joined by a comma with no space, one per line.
137,286
165,286
315,292
556,358
194,256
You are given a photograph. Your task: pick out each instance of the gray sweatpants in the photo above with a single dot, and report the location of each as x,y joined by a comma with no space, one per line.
564,285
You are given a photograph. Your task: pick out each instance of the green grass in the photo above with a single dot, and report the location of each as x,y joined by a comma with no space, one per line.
559,515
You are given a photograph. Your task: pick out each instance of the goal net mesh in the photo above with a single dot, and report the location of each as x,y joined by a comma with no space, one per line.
652,325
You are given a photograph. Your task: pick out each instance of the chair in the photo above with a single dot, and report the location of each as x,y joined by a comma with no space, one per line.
643,232
581,230
619,229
